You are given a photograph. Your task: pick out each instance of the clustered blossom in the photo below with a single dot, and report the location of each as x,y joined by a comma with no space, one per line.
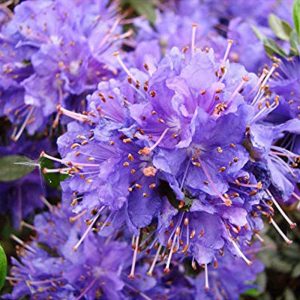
179,141
183,150
54,52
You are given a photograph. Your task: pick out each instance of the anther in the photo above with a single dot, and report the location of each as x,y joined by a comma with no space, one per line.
149,171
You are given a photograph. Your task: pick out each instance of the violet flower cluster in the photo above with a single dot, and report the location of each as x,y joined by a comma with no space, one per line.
54,53
177,139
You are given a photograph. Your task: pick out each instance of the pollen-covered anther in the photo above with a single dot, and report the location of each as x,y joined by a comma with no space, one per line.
149,171
193,233
227,200
181,204
196,164
222,169
127,140
152,186
219,149
152,94
245,78
75,145
201,233
259,185
126,164
145,151
186,221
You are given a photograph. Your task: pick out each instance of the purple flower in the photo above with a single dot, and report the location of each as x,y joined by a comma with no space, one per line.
69,53
175,148
225,282
52,268
286,85
247,48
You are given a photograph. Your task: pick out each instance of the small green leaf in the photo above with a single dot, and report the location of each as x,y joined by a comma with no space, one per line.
294,42
281,28
3,267
272,48
296,271
258,33
252,292
289,295
144,8
14,167
296,16
52,179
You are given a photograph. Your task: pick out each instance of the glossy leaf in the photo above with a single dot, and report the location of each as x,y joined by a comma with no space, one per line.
52,179
14,167
281,28
296,16
273,49
3,267
144,8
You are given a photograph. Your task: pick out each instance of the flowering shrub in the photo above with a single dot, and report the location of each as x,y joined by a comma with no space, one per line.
147,147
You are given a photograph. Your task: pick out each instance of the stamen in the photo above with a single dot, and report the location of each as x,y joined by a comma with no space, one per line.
84,292
292,224
150,272
262,85
167,268
194,29
286,239
23,244
58,170
147,150
75,248
109,32
43,154
136,247
72,114
46,202
229,45
25,123
78,216
120,61
239,87
159,140
206,277
29,226
227,201
194,266
259,238
241,254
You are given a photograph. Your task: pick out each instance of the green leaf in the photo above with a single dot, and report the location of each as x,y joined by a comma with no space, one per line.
294,43
14,167
296,16
272,48
281,28
3,267
296,271
289,295
252,292
258,33
145,8
52,179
